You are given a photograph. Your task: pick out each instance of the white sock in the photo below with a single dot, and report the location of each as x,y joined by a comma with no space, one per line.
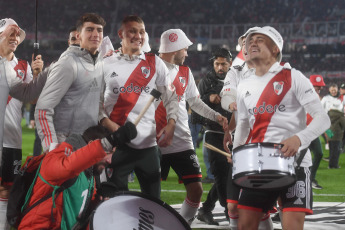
3,210
266,222
233,222
188,210
280,210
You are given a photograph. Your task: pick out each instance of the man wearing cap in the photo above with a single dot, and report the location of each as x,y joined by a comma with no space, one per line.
209,88
228,95
130,76
285,96
180,155
16,80
315,145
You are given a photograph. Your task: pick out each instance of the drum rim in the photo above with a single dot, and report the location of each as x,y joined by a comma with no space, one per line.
154,199
250,173
246,146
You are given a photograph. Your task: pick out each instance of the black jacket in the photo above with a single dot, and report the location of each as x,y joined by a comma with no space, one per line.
208,85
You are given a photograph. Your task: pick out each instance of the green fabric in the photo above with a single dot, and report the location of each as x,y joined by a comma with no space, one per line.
337,124
75,199
55,187
28,194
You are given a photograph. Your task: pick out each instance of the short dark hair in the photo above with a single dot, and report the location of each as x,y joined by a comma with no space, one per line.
95,132
89,17
73,28
132,18
222,52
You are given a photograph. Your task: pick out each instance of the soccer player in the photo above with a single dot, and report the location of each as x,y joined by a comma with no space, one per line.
285,95
130,75
180,155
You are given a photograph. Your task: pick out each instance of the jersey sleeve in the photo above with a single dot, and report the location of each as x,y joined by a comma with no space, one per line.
304,91
60,78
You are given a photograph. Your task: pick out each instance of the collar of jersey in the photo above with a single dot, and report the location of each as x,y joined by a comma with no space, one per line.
133,57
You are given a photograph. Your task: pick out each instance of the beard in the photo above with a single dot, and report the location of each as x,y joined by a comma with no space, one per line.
221,75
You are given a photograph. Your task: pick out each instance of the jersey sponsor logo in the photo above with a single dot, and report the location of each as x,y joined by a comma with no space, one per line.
20,73
146,71
226,83
278,87
309,91
173,37
131,88
266,109
114,74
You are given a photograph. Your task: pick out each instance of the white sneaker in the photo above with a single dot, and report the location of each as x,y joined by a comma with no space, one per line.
327,146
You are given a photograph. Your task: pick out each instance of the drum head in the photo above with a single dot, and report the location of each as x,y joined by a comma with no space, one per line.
134,210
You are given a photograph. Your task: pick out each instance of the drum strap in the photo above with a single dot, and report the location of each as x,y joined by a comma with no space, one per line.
301,156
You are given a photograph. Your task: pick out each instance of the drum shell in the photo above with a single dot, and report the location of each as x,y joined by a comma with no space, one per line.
261,166
134,210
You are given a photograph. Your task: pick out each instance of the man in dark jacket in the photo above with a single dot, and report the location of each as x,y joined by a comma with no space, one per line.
209,89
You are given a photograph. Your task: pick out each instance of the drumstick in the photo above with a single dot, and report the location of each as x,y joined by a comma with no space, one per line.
155,94
216,150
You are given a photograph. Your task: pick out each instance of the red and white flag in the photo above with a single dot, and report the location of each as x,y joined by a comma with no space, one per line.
239,59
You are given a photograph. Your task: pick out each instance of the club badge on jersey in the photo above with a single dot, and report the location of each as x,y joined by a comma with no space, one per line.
145,71
278,87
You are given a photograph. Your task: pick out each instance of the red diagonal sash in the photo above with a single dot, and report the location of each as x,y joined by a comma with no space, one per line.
180,83
127,100
272,95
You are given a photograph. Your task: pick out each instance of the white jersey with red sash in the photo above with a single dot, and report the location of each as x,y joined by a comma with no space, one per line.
128,86
13,115
183,80
273,104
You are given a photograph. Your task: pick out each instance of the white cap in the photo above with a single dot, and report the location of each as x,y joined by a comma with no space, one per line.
240,39
146,47
4,23
271,33
173,40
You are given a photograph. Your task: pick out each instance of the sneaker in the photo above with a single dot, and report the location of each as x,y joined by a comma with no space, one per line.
206,217
207,180
327,146
315,185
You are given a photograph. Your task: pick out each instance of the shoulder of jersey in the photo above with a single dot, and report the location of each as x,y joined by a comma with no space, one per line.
239,67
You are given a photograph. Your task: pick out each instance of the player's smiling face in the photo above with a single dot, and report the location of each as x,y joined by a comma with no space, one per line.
90,36
132,35
261,47
10,43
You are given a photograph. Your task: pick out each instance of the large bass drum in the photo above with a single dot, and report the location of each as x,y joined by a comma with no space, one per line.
134,211
262,166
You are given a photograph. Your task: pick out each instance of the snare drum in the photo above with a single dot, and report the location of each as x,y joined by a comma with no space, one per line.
134,210
261,166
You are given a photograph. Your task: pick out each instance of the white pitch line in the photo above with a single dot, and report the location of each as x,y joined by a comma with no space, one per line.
180,191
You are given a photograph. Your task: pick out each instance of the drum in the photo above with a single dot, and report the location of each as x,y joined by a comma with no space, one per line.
136,211
261,166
